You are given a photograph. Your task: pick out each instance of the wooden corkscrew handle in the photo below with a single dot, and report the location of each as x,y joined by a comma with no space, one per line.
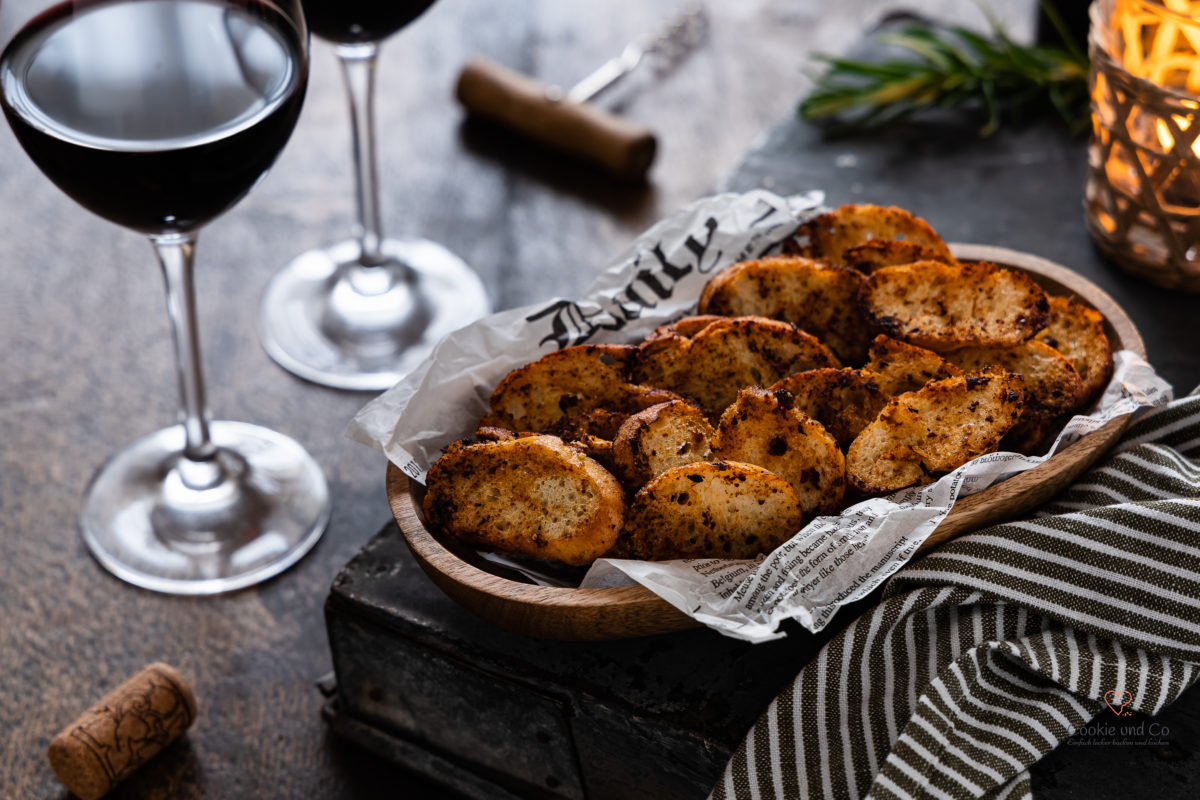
498,93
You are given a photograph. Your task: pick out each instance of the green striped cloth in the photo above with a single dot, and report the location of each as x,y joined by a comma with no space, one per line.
990,652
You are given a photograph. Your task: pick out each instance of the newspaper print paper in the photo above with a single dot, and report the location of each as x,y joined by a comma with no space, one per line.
835,559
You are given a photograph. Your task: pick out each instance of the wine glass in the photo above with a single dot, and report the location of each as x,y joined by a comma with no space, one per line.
362,313
159,115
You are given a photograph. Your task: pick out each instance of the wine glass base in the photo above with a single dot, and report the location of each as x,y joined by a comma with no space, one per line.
331,321
145,525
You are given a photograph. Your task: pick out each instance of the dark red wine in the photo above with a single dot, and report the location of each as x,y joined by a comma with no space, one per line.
155,114
351,21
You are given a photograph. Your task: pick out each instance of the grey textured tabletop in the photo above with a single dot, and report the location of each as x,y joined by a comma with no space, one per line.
87,363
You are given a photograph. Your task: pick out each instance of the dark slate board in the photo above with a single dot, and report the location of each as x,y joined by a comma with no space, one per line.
660,715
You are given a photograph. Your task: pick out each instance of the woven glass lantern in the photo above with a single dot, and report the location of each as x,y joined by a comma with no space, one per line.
1142,199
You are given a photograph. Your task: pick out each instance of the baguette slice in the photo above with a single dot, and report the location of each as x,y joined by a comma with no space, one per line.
1077,332
934,430
943,306
816,297
661,437
532,496
568,382
899,367
829,236
879,253
726,355
710,509
1052,386
843,400
766,429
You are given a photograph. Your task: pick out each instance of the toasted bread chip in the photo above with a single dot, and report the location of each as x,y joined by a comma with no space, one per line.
1032,434
1077,332
1052,386
843,400
879,253
488,434
533,496
764,428
599,422
722,509
934,430
830,235
942,306
595,448
899,367
661,437
815,296
726,355
568,382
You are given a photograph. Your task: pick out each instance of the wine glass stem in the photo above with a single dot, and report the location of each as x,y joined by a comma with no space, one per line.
175,255
358,71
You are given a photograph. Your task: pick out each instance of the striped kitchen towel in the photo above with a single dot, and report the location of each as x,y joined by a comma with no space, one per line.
988,653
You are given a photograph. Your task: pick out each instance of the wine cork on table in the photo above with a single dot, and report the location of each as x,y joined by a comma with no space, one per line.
490,90
125,729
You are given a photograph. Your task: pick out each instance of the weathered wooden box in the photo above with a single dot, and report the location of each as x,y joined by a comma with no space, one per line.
495,714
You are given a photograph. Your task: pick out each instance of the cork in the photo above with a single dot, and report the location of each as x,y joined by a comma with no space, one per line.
123,731
490,90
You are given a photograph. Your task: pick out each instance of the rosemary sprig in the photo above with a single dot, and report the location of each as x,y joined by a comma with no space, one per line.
952,67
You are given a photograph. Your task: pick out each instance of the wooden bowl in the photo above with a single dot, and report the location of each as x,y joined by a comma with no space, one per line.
631,611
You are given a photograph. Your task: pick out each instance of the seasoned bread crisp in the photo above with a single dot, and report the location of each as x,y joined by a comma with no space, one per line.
766,429
660,437
567,382
1052,386
943,306
814,296
899,367
878,253
599,422
843,400
829,236
534,496
710,509
725,355
1077,332
934,430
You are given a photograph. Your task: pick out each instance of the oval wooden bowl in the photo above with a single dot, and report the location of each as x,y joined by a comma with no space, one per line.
631,611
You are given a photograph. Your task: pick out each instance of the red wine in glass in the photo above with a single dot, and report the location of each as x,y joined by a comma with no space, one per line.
159,115
119,128
351,21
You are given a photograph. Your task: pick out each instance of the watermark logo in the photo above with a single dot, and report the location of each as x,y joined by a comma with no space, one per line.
1117,699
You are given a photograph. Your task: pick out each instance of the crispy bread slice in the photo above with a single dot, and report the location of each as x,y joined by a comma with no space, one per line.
652,441
879,253
726,355
710,509
1077,332
766,429
599,422
934,430
899,367
533,496
943,306
829,236
568,382
843,400
1052,386
816,297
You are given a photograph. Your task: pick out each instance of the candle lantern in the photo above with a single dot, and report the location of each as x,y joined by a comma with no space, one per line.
1142,198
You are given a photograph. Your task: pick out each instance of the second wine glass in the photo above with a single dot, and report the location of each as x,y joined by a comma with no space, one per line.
362,313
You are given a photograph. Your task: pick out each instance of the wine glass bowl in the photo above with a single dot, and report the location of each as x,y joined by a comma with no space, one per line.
362,313
159,115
